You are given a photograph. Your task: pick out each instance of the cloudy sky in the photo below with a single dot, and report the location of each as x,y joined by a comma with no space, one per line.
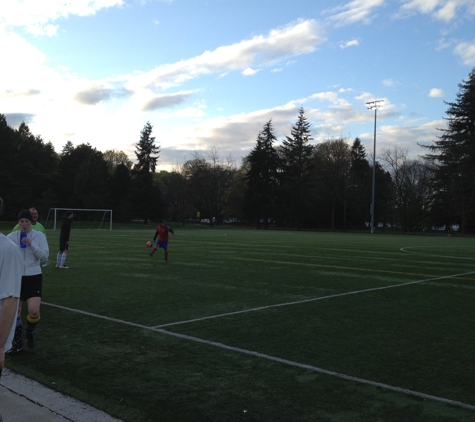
210,73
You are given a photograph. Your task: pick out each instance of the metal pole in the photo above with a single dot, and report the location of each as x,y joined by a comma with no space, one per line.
374,174
371,105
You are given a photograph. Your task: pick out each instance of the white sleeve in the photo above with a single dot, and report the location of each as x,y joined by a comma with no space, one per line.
40,246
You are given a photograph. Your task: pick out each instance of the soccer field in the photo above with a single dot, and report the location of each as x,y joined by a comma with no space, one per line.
247,325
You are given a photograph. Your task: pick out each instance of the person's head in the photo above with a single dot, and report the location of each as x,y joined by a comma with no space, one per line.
34,213
160,222
69,214
25,219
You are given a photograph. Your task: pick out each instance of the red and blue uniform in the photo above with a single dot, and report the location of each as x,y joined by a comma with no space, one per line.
162,242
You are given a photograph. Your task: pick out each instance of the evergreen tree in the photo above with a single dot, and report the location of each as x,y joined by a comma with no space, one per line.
453,156
146,196
297,167
146,151
263,176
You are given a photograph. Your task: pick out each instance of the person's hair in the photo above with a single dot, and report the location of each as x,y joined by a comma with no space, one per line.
68,213
1,205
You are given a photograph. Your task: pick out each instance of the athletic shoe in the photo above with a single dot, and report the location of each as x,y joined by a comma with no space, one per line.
151,254
30,340
63,267
14,351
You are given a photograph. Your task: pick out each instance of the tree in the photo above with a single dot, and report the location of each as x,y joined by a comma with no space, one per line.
263,176
411,188
453,158
146,196
333,165
84,178
28,169
297,166
146,151
113,158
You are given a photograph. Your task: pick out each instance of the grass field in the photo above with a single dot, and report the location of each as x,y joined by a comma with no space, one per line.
247,325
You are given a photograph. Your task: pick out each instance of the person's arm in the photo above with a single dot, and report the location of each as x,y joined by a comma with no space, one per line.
40,246
7,316
156,234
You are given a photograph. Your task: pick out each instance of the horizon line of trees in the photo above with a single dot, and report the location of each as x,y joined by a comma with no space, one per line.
295,184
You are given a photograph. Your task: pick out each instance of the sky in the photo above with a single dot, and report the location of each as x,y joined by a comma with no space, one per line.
209,74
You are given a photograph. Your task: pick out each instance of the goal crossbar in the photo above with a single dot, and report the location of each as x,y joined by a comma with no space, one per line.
55,212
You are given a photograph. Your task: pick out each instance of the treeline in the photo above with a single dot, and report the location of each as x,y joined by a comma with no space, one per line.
293,184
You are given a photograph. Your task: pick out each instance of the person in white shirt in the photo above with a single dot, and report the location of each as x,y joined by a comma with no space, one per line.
11,269
34,248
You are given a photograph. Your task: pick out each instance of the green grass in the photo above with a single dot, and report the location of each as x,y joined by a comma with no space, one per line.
238,324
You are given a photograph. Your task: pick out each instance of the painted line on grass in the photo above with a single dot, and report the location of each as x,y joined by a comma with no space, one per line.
332,266
322,371
407,250
298,302
276,359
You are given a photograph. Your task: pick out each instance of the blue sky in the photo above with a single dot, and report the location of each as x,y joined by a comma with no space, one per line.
208,74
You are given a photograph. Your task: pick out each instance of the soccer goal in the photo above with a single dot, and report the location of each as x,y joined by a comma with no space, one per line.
85,219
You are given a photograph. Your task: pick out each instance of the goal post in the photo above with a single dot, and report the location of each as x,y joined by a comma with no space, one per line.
84,218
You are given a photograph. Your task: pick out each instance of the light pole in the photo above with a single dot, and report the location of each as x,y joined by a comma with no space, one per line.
374,105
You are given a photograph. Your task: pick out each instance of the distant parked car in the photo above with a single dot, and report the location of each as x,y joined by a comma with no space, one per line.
205,221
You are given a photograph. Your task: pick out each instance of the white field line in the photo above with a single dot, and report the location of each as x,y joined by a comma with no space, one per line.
285,361
309,300
408,250
322,371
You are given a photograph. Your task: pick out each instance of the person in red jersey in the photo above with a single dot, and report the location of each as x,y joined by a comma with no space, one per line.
162,242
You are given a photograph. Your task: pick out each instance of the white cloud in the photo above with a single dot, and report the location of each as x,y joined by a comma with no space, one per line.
446,10
389,82
249,71
35,15
352,43
467,52
297,38
436,93
354,11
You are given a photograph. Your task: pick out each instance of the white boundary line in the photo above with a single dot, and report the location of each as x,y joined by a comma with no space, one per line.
285,361
322,371
309,300
406,249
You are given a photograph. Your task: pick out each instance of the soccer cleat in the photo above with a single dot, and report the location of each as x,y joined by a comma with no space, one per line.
62,267
14,351
30,340
151,254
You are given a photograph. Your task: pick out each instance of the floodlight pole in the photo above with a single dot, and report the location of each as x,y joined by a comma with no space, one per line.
374,105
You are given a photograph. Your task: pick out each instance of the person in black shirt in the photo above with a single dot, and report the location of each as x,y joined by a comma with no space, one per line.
64,241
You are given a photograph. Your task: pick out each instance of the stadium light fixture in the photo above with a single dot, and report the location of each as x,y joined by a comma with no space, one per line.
374,105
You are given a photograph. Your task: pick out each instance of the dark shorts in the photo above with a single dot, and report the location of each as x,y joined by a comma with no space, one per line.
161,244
31,286
63,245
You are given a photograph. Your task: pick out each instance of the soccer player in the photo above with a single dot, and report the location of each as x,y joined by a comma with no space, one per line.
35,224
162,242
34,248
64,241
11,269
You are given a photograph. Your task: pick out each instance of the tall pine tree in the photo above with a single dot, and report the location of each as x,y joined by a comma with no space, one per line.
453,157
297,157
263,177
146,197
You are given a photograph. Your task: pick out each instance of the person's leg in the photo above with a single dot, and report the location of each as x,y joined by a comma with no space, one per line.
63,259
32,320
58,258
17,344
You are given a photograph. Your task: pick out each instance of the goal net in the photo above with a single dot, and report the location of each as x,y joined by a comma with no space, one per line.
85,219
